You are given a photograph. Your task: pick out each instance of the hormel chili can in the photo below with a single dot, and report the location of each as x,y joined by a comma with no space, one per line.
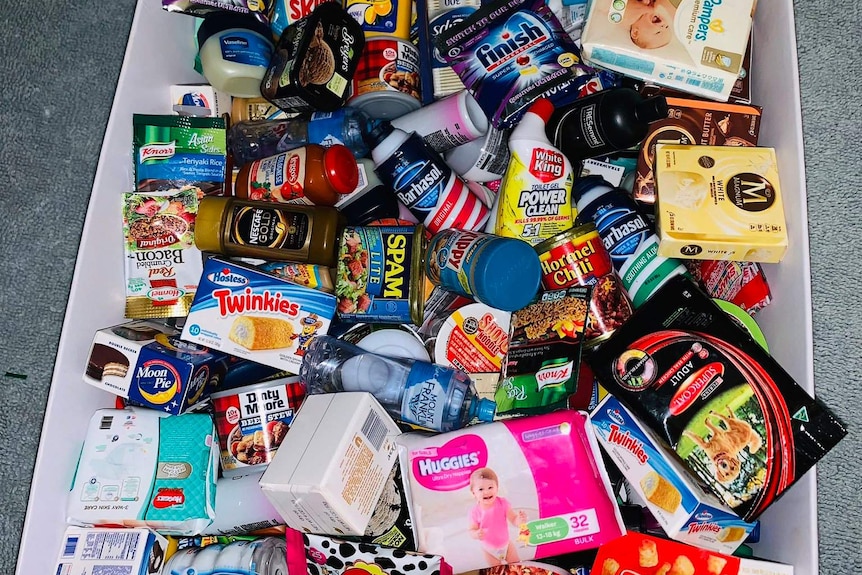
252,421
577,256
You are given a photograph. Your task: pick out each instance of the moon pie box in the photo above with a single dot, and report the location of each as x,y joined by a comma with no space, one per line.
736,419
147,364
510,52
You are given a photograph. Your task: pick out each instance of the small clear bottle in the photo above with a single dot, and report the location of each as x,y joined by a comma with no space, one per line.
414,392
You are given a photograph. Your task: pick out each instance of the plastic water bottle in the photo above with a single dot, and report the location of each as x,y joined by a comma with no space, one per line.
415,392
255,139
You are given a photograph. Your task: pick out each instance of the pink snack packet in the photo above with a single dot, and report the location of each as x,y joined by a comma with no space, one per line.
509,491
309,554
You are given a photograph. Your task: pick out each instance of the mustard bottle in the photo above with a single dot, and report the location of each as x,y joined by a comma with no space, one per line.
268,230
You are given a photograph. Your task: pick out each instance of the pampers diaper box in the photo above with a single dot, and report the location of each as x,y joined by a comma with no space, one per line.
696,46
684,510
139,468
508,491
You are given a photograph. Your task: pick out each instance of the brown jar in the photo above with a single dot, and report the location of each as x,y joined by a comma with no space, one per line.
313,175
267,230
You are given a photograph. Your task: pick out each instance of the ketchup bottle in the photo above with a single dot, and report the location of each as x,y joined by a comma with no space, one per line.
312,175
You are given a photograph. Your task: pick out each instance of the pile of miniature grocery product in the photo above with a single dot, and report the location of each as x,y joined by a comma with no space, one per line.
467,290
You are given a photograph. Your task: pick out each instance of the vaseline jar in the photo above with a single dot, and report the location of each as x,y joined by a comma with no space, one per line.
235,50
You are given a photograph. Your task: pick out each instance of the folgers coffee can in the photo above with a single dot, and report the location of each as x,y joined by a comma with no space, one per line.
379,274
386,81
252,421
578,257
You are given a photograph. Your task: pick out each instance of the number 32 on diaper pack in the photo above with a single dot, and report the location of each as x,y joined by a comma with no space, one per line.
582,523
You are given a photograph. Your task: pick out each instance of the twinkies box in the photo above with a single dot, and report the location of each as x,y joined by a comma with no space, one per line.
257,316
636,553
139,468
95,551
146,363
682,508
333,465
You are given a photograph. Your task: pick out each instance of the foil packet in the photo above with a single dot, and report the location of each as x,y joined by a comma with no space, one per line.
162,264
257,8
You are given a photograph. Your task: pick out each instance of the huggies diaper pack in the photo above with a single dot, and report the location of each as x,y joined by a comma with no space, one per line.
696,46
508,491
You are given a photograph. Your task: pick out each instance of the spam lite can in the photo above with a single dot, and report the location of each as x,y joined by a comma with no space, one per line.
578,257
379,274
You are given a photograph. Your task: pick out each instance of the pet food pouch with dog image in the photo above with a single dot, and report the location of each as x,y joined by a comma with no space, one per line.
732,414
508,491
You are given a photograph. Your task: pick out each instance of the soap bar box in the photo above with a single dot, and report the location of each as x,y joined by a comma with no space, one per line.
146,363
330,471
95,551
684,511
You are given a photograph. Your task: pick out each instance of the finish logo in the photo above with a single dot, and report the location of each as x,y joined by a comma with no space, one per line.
522,33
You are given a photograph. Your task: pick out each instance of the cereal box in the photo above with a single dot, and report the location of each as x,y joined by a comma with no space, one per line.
682,509
257,316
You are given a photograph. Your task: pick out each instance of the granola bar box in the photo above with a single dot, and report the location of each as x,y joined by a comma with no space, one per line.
736,419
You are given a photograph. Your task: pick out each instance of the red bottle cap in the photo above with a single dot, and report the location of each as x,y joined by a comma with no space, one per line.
339,164
543,108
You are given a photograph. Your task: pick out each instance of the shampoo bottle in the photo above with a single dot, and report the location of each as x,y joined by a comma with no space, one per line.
604,122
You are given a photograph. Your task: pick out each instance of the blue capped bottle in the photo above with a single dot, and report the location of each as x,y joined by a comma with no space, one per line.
627,235
414,392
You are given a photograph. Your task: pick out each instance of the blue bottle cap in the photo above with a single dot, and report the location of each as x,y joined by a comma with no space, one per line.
585,184
486,409
510,277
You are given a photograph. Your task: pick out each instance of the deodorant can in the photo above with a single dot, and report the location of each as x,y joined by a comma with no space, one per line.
627,235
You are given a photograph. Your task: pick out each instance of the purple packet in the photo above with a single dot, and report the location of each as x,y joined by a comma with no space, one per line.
511,52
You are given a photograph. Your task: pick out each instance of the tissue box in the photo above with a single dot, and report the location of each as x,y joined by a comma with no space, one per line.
95,551
333,464
682,509
138,468
146,363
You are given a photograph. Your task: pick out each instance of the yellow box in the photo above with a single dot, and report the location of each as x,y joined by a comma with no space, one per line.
719,203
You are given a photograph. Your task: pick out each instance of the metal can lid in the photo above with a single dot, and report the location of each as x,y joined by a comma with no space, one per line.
385,104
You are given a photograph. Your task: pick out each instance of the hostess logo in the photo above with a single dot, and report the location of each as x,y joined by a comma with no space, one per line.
622,232
227,278
704,516
521,34
615,416
421,184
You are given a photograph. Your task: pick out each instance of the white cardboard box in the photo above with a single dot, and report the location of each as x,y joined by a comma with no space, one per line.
329,472
789,528
85,551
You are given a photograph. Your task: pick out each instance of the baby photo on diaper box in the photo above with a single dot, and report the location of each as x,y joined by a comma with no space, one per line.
696,46
509,491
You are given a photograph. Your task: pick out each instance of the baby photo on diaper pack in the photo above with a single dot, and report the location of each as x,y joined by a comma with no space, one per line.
508,491
696,46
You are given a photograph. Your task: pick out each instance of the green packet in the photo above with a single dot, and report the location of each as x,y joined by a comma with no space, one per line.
541,369
179,152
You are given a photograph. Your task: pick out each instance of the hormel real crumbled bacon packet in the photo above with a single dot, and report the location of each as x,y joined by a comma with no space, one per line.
163,265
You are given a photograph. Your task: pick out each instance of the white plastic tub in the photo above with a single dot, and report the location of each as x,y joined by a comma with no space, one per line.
160,53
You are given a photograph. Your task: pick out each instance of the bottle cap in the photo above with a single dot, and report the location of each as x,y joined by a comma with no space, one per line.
339,163
486,409
220,21
543,108
652,109
209,222
378,203
585,184
509,278
377,133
